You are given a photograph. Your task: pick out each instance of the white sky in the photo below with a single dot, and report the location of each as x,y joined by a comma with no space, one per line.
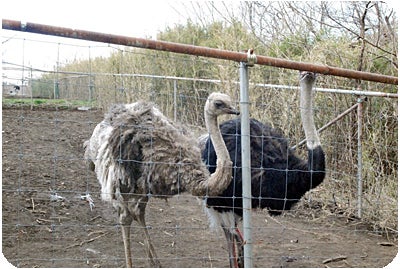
122,17
131,18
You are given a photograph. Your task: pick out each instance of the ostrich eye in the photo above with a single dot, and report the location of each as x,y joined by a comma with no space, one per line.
219,104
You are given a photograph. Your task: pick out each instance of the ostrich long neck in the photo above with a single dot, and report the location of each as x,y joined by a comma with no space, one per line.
216,137
306,113
316,156
222,177
217,182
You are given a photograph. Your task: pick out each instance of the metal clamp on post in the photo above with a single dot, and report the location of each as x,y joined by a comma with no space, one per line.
251,58
23,26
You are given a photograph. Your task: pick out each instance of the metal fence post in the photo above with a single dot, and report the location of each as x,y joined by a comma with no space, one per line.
359,156
246,164
175,100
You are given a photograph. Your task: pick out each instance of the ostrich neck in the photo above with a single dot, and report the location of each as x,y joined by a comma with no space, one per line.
216,138
218,181
307,116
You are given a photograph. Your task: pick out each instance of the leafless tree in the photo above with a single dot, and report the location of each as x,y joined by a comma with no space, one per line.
371,25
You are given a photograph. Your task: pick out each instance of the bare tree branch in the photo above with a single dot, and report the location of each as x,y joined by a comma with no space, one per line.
340,24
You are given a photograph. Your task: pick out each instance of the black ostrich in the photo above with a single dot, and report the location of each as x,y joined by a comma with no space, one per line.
279,178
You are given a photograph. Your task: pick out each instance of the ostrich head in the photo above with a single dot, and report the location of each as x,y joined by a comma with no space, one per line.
307,77
219,104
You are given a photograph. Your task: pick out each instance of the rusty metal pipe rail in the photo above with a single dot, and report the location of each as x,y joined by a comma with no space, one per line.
191,50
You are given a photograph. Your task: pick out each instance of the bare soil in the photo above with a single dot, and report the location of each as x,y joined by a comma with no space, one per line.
45,223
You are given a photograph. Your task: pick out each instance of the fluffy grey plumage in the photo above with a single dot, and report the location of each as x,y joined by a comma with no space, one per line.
154,155
137,152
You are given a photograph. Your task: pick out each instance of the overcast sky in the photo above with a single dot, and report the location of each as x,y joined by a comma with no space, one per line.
132,18
122,17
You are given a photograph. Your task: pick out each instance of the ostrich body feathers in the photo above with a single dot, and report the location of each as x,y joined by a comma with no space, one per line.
137,153
137,150
279,178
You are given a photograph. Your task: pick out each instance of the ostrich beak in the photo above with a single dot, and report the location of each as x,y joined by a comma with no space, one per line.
307,75
233,111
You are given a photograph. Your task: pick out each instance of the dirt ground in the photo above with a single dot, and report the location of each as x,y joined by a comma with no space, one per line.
45,223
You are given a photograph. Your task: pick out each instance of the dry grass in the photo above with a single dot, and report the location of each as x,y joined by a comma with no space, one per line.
280,108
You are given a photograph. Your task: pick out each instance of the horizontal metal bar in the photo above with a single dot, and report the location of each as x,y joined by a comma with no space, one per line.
262,85
358,92
331,90
191,50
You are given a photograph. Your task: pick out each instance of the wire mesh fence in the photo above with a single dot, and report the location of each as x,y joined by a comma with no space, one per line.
52,212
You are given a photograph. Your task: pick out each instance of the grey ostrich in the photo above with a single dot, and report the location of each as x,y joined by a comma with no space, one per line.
279,178
137,152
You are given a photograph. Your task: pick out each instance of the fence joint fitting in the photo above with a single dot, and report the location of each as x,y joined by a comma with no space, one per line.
251,58
23,26
362,99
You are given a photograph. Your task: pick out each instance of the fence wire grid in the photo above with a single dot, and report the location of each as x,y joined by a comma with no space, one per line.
52,212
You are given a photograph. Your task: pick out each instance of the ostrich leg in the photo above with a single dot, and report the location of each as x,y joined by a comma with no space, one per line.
239,246
125,220
139,216
235,247
230,238
127,244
